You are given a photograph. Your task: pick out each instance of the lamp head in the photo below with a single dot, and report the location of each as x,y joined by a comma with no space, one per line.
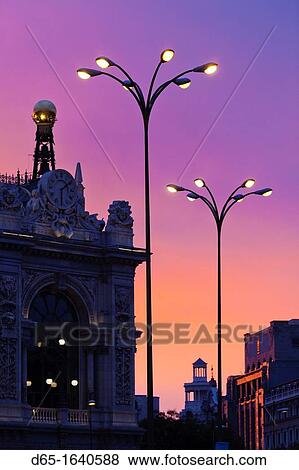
284,409
239,197
192,197
167,55
208,69
85,73
91,403
199,182
182,82
248,183
128,84
104,62
264,192
174,188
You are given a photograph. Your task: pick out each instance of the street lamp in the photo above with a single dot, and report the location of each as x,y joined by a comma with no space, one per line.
145,103
219,216
91,405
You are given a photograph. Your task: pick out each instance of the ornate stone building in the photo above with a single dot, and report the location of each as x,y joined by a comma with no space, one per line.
67,333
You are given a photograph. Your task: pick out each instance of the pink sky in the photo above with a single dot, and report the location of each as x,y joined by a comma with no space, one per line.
256,136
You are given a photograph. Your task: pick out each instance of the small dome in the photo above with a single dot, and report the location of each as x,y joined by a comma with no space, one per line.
44,112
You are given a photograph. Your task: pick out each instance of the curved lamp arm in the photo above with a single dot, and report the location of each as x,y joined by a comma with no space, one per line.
224,212
152,83
107,74
207,202
135,85
213,199
163,86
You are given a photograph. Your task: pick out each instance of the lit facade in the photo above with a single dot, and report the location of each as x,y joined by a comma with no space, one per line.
271,361
282,416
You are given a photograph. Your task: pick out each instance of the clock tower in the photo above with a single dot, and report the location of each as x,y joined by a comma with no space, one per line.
67,330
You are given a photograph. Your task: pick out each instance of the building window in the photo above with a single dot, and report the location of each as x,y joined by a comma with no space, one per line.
258,346
53,362
190,396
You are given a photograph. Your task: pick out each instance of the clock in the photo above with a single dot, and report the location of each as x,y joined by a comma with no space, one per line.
60,188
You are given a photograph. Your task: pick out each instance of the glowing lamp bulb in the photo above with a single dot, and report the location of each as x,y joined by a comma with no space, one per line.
210,69
167,55
102,62
83,75
249,183
199,182
174,188
49,381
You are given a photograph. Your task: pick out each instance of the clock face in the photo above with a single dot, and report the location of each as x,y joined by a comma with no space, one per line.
61,189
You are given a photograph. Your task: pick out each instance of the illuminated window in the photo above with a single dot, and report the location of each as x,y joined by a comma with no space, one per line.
258,346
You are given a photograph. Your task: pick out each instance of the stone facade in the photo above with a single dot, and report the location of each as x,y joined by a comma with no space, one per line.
52,248
271,362
282,417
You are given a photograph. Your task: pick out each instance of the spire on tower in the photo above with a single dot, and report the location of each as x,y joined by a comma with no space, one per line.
212,381
78,174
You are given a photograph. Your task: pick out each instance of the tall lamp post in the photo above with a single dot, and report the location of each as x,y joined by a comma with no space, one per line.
219,217
145,103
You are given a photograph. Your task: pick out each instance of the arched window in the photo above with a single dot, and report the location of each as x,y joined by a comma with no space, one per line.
53,362
52,308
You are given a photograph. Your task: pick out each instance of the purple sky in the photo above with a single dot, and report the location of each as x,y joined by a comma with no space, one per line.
256,136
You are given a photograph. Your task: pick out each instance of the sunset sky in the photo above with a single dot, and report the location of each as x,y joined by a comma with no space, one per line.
252,103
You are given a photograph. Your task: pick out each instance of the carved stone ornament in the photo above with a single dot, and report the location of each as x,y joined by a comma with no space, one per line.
13,198
123,388
59,201
119,216
123,296
8,369
28,276
89,283
8,289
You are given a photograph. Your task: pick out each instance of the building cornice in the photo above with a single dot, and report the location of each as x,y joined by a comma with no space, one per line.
68,249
